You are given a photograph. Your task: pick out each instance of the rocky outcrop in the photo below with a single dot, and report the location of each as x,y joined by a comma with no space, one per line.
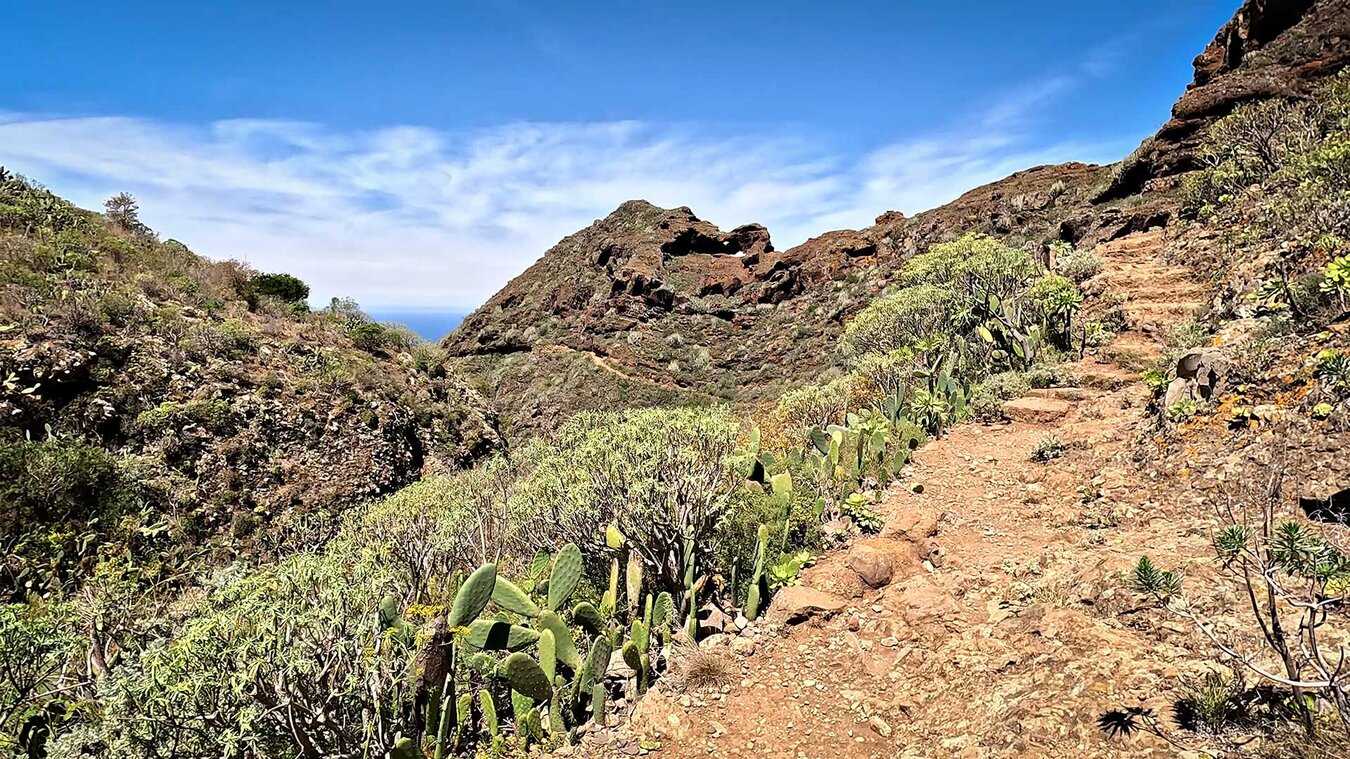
1270,48
653,305
1200,375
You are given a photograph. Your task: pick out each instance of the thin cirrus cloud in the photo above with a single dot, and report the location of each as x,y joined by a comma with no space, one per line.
415,217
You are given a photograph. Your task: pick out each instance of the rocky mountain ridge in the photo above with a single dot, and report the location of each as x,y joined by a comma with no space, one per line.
650,305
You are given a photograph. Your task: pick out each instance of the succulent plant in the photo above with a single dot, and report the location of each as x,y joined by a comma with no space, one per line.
588,617
473,595
509,596
496,635
526,677
566,576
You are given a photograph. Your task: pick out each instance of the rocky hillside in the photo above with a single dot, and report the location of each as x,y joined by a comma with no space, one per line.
1270,48
176,402
651,305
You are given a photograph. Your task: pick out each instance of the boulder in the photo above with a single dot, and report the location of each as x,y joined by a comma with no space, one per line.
794,605
871,565
913,522
1200,375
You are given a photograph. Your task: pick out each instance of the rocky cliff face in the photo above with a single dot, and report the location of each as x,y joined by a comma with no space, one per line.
1270,48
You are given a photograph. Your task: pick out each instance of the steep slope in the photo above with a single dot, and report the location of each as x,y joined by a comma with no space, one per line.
151,397
1270,48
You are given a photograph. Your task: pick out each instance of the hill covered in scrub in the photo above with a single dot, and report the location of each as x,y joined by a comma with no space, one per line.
1054,470
654,305
157,401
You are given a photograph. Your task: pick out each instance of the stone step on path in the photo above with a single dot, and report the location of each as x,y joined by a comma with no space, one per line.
1037,409
1104,376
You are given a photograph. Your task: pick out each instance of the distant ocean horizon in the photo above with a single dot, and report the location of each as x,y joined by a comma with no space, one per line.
429,325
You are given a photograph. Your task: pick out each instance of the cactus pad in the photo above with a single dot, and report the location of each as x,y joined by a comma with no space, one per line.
509,596
495,635
567,650
473,595
565,577
527,677
588,617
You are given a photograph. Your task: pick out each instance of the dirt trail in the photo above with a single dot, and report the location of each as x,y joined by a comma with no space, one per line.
1002,630
600,362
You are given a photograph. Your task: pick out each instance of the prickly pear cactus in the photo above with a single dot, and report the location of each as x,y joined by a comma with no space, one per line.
495,635
613,538
634,577
509,596
489,709
565,577
566,648
526,677
588,617
640,635
597,662
473,595
663,611
609,602
548,653
599,704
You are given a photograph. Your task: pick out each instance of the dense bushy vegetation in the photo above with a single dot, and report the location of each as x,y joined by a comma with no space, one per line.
326,652
1279,170
974,319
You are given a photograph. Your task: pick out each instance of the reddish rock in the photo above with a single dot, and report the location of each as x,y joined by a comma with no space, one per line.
1037,410
794,605
871,565
1270,48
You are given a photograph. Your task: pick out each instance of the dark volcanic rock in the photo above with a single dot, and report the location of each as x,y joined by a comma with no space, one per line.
1270,48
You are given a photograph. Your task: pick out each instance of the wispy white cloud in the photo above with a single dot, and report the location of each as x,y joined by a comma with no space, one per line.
413,216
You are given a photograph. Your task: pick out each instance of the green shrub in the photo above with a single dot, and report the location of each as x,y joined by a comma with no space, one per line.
58,481
284,287
987,398
1045,375
815,405
297,638
1078,265
213,416
898,320
1188,335
38,646
1048,447
665,477
888,372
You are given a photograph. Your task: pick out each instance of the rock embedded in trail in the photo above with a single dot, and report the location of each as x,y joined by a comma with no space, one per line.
1200,376
798,604
1036,410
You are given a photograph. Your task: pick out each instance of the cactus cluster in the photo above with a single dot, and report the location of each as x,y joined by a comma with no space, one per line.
550,659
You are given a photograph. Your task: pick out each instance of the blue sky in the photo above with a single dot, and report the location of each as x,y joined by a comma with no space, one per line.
419,154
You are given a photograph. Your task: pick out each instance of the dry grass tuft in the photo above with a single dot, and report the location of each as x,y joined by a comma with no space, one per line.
695,668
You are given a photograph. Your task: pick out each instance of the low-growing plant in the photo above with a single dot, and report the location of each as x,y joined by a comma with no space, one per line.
1075,264
1292,576
1048,447
988,397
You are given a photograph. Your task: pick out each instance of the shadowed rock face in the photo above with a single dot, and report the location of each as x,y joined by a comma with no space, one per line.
1270,48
